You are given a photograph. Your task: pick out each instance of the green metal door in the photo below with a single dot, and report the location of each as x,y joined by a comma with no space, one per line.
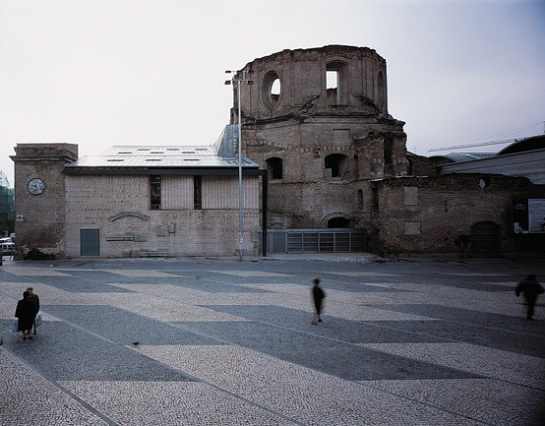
89,240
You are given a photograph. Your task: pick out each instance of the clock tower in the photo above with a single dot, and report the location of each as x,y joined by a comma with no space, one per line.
40,198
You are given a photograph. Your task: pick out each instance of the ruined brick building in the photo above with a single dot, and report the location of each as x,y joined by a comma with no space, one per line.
317,120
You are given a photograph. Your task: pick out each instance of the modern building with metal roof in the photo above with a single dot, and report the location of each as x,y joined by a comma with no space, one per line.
522,158
139,201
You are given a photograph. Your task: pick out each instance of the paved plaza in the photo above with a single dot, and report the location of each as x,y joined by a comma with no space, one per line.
223,342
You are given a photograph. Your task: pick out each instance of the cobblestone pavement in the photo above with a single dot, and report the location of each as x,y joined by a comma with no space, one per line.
224,342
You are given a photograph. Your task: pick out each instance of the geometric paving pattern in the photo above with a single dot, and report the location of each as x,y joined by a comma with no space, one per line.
208,342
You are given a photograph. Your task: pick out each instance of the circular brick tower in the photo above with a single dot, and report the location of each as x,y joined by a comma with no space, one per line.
317,119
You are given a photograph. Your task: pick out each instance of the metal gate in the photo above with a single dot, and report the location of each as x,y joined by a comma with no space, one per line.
322,240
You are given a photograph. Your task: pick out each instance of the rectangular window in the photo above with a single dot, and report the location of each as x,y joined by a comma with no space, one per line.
335,83
197,194
331,79
332,87
388,151
375,199
155,192
274,168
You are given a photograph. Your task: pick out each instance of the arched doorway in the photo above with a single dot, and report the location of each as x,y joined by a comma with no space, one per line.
485,239
274,168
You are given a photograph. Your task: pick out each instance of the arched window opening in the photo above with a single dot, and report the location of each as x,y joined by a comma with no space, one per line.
336,83
388,151
409,167
335,165
338,222
274,168
271,89
275,91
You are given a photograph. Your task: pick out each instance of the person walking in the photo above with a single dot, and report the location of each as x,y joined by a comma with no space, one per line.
318,296
25,313
36,301
531,288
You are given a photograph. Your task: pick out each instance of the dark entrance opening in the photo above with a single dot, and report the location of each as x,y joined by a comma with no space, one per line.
485,239
338,222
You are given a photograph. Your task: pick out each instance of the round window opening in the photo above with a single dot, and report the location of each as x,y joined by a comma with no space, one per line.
271,89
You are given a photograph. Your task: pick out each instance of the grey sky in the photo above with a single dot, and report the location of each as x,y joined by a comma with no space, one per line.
98,73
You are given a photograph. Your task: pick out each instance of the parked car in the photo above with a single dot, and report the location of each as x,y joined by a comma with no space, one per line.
7,248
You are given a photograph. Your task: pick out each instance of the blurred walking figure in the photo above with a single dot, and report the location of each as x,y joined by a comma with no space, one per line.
317,296
531,289
36,301
25,314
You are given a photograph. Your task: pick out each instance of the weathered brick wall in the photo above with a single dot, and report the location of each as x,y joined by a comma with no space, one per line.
425,215
92,201
303,148
420,166
311,205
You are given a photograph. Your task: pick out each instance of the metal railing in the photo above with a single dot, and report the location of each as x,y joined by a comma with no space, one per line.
320,240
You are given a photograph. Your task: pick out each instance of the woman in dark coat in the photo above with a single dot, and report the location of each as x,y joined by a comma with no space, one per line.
26,313
317,296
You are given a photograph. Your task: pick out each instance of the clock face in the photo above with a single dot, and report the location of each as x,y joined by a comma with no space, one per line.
36,186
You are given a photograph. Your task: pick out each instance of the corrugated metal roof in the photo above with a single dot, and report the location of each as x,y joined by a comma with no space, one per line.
459,157
160,156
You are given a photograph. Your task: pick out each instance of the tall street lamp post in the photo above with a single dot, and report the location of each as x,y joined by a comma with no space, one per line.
242,79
